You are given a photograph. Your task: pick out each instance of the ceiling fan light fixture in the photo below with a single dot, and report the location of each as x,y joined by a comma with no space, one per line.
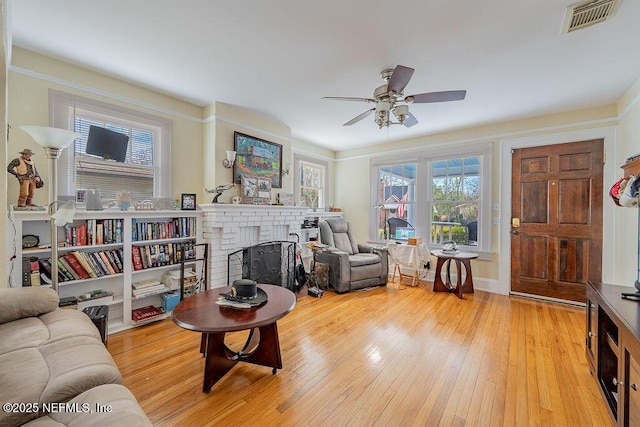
387,95
401,112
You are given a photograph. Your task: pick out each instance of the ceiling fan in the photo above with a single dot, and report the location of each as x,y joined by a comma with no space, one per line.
390,98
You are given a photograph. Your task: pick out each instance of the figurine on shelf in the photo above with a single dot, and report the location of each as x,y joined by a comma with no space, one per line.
25,170
219,190
123,197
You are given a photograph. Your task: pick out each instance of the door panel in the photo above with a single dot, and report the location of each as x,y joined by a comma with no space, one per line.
557,197
574,198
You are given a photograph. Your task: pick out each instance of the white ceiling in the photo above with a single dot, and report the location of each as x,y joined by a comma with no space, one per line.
280,57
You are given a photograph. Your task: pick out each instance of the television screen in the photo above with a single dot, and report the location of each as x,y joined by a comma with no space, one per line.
108,144
403,233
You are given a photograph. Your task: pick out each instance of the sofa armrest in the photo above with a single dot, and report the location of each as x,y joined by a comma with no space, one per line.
18,303
339,268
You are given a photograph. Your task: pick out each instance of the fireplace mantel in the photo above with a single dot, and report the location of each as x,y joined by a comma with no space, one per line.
229,227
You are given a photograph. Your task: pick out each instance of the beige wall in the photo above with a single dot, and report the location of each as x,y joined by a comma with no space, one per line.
222,120
32,75
626,219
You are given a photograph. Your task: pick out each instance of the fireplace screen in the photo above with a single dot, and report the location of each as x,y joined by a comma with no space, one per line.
270,262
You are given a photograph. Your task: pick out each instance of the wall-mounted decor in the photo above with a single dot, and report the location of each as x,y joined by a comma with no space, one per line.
255,190
257,158
285,199
188,202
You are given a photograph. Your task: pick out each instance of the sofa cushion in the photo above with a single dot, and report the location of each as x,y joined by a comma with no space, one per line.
64,324
17,303
24,377
22,333
124,410
76,365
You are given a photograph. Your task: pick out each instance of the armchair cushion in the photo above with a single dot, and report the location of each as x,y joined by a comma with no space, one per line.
335,232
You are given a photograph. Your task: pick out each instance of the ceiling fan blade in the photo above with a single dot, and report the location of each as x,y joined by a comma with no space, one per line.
346,98
399,79
446,96
360,117
410,120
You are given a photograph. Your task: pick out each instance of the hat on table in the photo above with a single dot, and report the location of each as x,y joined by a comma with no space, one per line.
246,290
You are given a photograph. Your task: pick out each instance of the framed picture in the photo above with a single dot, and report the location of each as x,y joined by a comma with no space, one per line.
188,202
257,158
81,196
255,190
286,199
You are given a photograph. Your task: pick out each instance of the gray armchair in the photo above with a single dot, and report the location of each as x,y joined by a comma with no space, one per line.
352,265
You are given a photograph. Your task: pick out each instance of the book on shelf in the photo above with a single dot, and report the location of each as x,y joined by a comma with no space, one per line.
149,291
117,257
65,268
45,265
93,264
136,258
143,314
75,265
104,262
107,257
145,283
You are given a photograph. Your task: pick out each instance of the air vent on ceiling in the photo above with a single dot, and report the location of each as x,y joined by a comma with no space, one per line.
589,12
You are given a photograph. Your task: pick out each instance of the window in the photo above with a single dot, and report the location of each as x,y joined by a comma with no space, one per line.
146,172
396,190
455,200
441,197
310,182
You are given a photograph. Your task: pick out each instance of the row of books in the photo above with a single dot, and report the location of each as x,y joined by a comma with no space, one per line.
174,228
79,265
158,255
94,232
146,288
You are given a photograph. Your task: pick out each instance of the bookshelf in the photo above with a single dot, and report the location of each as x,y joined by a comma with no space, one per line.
103,243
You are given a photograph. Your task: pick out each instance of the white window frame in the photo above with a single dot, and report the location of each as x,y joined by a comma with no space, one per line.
423,191
61,108
324,165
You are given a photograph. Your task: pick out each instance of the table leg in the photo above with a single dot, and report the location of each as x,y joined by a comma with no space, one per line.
262,348
467,286
217,362
438,284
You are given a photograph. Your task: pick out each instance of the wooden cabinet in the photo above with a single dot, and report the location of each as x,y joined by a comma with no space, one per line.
613,349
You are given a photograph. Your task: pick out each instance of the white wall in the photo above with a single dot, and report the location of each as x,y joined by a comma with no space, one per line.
626,219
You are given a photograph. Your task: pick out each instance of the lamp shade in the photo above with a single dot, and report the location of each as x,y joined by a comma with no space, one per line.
231,156
51,137
64,214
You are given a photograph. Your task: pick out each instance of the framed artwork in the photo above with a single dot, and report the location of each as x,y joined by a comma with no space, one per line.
286,199
81,196
256,157
188,202
255,190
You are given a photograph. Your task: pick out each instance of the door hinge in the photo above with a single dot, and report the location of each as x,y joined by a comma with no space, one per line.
604,159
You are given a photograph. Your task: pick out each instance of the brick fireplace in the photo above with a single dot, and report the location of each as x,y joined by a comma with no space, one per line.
229,227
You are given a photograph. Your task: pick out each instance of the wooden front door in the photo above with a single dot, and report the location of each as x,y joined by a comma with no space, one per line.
556,228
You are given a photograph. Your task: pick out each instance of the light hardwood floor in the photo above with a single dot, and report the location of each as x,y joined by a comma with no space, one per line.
383,357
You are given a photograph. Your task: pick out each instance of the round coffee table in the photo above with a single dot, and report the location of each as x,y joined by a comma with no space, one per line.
460,258
200,313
